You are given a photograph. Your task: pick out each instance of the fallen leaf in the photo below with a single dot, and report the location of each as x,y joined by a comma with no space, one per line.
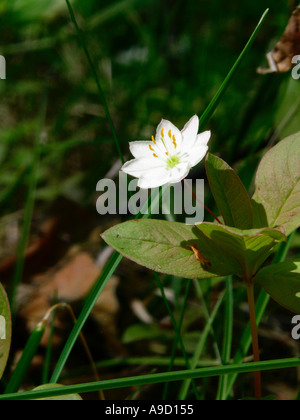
280,59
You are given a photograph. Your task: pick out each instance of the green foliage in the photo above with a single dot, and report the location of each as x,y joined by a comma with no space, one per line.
170,66
282,282
245,250
68,397
163,247
230,194
210,249
5,330
166,247
277,196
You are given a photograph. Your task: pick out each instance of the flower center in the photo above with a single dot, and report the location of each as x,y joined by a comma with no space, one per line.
173,161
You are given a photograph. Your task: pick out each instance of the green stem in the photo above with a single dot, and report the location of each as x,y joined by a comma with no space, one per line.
95,294
95,75
155,378
228,336
177,329
175,344
254,334
262,303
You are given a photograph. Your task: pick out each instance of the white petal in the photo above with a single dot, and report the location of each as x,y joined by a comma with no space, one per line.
155,178
203,138
167,128
140,167
197,153
190,131
180,172
140,149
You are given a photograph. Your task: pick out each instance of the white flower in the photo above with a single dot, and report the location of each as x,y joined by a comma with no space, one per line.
169,157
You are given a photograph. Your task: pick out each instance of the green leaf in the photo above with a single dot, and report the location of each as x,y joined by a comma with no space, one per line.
230,194
246,250
70,397
277,197
165,247
5,330
282,282
139,332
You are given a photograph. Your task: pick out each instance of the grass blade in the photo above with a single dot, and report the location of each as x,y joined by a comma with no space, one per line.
29,208
173,354
155,379
200,347
95,75
219,95
116,259
177,330
228,335
26,359
261,307
93,298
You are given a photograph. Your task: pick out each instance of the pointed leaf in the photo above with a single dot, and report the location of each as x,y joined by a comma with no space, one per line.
166,247
277,196
70,397
282,282
5,330
247,248
230,194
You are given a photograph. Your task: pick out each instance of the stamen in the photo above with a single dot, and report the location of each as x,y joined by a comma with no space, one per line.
162,133
170,134
155,155
151,148
153,139
174,141
167,153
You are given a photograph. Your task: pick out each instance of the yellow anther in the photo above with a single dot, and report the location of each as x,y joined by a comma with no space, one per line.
170,134
155,155
151,148
167,153
174,141
162,133
153,139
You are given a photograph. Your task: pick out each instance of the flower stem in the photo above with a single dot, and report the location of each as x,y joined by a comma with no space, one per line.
254,333
202,204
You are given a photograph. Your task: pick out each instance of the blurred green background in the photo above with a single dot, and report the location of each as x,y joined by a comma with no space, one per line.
155,59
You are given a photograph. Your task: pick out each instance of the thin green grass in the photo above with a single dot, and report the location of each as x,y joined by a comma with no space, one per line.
96,78
177,330
200,346
155,378
227,373
261,306
25,361
175,344
116,259
228,336
28,213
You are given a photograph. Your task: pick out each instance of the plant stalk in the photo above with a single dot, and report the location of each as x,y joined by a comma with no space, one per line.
254,333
